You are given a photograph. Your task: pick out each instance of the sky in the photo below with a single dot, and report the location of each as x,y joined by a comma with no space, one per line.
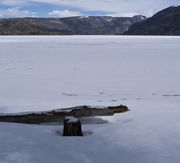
68,8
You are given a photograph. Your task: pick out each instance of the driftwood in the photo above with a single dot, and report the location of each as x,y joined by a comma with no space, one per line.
72,127
60,114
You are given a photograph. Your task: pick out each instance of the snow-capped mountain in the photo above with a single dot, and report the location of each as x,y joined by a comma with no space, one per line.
92,25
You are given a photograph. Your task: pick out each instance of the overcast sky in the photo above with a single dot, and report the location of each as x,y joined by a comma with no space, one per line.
66,8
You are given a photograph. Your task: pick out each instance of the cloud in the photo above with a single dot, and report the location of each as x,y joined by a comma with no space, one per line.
121,7
13,2
116,7
126,14
16,12
64,13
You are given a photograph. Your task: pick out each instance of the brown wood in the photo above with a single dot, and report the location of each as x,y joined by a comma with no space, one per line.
59,114
72,127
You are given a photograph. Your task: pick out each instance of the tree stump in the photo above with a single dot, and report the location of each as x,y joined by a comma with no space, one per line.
72,127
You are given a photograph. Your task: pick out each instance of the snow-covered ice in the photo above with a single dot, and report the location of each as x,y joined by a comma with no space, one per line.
44,73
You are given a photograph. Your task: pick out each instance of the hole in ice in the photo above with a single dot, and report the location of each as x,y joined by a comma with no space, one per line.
59,132
101,93
173,95
69,94
154,94
114,100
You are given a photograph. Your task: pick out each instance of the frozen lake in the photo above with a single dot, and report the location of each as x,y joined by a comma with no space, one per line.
42,73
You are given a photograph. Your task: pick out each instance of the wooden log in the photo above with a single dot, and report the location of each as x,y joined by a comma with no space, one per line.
59,114
72,127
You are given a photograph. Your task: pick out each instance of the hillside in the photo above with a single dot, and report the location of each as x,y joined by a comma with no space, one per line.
165,22
97,25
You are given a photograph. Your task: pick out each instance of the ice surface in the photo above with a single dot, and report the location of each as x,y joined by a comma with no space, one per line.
43,73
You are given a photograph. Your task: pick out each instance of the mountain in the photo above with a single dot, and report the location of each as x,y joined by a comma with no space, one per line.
165,22
93,25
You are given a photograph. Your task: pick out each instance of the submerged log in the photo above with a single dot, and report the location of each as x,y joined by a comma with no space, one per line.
72,127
